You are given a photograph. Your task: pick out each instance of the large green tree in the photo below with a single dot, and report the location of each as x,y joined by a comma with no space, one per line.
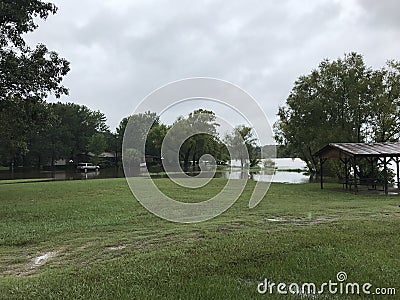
27,76
340,101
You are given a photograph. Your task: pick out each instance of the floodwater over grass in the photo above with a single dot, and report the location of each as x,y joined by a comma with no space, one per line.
93,240
284,173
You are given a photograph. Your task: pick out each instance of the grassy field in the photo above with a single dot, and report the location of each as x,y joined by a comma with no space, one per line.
93,240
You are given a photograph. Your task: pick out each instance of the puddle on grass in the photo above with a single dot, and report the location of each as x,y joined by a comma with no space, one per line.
42,259
305,221
30,266
119,247
320,220
276,220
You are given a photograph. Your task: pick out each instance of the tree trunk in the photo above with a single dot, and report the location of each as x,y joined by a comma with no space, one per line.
186,158
194,159
52,160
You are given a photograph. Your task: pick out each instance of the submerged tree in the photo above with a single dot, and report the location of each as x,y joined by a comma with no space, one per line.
243,146
196,135
141,126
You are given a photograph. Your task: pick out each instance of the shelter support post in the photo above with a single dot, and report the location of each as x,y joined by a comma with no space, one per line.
385,174
346,170
345,161
398,175
355,174
321,171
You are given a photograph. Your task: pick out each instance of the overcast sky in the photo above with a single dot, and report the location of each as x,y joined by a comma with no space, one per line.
121,50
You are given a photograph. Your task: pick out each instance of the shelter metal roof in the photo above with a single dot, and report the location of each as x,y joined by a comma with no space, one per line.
360,149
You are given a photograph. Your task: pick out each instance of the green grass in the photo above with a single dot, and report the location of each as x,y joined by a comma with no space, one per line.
105,245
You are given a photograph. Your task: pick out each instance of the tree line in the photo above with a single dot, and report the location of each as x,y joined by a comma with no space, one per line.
71,130
198,135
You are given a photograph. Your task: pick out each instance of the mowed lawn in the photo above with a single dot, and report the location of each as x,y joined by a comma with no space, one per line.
93,240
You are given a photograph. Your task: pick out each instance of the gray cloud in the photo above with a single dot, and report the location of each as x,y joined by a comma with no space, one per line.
122,50
382,14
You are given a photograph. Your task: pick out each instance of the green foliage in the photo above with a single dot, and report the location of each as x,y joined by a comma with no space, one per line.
97,145
192,148
25,72
16,127
27,77
201,126
270,151
132,158
384,120
139,124
132,155
243,146
18,17
340,101
269,163
31,74
73,129
155,138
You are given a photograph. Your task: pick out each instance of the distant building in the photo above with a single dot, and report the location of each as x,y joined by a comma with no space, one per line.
108,157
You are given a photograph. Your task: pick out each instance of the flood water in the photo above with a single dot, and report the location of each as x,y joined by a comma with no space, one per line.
284,174
280,175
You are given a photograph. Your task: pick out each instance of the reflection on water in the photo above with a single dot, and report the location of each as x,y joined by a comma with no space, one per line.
284,177
280,175
235,173
289,163
61,174
265,176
